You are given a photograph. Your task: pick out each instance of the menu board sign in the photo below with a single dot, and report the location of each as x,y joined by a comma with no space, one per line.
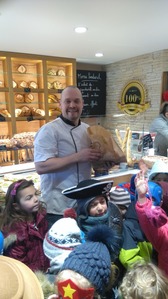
93,87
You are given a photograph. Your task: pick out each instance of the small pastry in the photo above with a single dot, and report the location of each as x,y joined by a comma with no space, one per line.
1,83
22,69
57,85
18,112
61,73
19,98
5,113
52,72
26,111
37,112
52,98
14,84
49,85
23,84
29,98
33,84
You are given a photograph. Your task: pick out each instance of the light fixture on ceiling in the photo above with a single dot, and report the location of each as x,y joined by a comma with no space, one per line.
99,54
80,29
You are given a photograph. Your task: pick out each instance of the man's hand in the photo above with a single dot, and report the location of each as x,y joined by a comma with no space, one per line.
89,154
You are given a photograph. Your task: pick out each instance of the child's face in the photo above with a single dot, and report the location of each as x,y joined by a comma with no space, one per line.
161,177
123,209
98,206
28,200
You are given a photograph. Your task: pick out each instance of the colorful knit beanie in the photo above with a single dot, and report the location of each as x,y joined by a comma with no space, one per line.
120,196
92,259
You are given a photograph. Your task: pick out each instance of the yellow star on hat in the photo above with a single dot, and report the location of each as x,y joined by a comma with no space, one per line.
68,291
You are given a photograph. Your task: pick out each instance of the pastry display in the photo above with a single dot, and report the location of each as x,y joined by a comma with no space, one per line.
22,69
33,84
29,98
23,84
19,98
57,85
61,73
52,72
24,139
5,113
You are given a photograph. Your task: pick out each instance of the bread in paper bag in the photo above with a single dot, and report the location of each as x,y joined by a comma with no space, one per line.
111,152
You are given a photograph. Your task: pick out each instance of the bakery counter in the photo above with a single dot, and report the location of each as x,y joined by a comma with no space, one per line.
118,176
17,169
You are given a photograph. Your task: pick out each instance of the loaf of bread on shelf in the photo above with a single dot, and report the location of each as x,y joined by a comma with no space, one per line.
54,112
1,83
37,112
57,85
26,111
52,72
19,98
23,84
49,85
18,112
22,69
61,73
14,84
29,98
52,98
5,113
33,84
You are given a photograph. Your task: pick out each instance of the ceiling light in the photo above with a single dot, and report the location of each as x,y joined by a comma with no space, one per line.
81,29
99,54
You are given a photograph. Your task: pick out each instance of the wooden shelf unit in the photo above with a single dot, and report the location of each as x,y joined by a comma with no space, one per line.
34,82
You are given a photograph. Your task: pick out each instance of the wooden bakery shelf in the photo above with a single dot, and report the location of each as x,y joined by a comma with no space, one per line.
29,82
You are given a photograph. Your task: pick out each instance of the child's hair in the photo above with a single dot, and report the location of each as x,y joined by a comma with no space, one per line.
164,108
144,281
12,214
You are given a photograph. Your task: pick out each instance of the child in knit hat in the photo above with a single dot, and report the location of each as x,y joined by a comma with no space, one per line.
94,207
121,197
60,240
87,270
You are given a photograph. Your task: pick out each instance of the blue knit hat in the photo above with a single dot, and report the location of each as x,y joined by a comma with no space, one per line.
155,191
92,259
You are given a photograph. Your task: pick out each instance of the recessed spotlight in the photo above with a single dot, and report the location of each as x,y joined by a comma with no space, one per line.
80,29
99,54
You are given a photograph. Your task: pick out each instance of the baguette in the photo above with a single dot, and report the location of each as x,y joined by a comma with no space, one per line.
124,143
118,137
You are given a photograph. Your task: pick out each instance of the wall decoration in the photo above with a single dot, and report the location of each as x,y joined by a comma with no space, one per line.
133,98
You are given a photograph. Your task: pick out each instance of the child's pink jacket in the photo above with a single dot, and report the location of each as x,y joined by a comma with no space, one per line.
154,223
